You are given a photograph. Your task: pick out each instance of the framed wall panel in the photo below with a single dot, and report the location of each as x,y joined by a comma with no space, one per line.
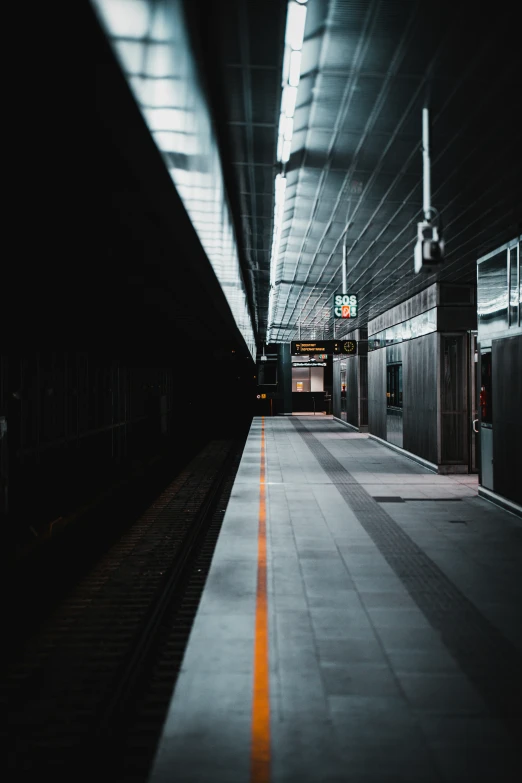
377,393
420,396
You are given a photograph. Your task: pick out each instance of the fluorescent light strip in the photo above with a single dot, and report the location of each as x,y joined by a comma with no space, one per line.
295,26
294,36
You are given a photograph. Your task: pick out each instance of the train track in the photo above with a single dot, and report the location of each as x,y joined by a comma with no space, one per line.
90,692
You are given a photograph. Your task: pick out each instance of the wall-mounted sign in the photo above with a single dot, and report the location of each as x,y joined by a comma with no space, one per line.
308,364
345,306
327,347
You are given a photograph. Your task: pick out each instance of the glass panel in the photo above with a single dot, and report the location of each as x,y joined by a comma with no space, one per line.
394,386
407,330
300,379
492,294
316,379
519,283
514,287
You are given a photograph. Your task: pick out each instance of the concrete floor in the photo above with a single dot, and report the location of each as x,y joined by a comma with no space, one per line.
394,605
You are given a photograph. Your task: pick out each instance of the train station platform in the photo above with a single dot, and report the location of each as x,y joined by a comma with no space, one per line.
360,623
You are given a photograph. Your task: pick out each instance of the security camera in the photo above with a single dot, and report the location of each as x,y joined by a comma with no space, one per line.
429,250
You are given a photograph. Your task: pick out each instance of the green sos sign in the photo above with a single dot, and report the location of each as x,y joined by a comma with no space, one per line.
345,306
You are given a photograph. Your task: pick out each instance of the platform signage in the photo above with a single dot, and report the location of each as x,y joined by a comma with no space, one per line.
345,306
300,349
328,347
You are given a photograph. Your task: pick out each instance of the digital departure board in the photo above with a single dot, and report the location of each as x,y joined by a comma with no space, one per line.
301,348
346,347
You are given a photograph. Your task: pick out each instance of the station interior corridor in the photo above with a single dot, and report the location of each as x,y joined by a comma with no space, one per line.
260,392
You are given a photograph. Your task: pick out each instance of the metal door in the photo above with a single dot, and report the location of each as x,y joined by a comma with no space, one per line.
486,420
473,401
3,437
343,391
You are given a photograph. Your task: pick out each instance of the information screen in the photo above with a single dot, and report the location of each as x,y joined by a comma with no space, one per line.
346,347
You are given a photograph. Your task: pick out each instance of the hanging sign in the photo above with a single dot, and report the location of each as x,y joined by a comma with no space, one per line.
326,348
345,306
321,347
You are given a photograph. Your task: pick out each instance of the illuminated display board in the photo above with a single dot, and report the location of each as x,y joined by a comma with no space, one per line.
346,347
345,306
300,348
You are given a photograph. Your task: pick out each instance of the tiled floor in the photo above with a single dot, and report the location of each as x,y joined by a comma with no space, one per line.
395,639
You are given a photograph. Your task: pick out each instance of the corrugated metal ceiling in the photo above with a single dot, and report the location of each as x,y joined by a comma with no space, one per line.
367,70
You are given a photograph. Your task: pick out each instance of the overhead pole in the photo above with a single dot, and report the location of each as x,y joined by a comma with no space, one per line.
344,265
426,183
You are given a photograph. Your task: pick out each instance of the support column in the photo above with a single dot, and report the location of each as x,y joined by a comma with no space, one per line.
284,378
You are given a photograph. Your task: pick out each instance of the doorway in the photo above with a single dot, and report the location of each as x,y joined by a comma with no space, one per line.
486,420
472,401
343,391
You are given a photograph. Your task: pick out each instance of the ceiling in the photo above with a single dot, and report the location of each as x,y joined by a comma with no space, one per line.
107,256
355,169
241,48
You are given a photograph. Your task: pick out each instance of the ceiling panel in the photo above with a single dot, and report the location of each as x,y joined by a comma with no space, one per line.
355,169
360,173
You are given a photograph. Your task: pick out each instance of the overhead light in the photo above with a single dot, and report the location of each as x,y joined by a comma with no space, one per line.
289,100
295,25
280,187
168,119
125,19
280,142
294,37
282,124
171,141
295,69
286,64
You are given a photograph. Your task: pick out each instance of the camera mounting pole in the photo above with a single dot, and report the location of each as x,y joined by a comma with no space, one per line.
426,191
429,249
344,265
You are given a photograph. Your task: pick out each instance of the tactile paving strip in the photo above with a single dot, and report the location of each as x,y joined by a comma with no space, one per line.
490,661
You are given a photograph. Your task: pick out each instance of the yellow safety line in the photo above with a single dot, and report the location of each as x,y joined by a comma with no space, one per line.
260,757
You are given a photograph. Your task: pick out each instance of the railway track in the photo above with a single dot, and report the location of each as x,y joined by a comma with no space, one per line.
91,690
